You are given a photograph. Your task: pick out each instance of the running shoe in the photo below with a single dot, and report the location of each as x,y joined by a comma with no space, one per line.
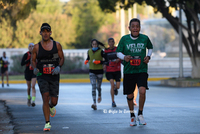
94,106
52,111
141,120
2,84
29,102
47,127
116,91
99,99
133,121
114,104
7,85
33,104
134,102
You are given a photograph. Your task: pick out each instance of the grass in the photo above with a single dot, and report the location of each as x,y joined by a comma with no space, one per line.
62,76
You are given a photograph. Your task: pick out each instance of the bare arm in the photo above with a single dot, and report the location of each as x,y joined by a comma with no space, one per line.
34,55
60,53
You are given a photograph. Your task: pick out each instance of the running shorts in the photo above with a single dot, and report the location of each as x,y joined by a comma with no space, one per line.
49,84
130,81
114,75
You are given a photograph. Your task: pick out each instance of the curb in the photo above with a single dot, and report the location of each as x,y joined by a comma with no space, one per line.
80,80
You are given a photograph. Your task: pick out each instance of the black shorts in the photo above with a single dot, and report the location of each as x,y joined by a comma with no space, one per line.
48,84
28,76
114,75
130,81
4,69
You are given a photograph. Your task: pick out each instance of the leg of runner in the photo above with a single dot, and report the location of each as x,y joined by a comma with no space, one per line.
2,75
93,82
99,82
7,78
142,97
28,92
33,82
112,92
135,93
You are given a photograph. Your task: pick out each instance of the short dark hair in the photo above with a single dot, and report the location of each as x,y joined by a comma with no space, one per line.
45,26
110,39
134,20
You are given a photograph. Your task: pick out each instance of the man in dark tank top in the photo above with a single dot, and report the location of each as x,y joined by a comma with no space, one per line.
47,59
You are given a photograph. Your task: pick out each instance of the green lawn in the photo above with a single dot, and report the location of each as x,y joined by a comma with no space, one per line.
62,76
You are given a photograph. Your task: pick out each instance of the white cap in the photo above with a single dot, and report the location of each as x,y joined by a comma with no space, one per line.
30,44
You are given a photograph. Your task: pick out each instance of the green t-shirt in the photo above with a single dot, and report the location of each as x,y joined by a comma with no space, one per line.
137,47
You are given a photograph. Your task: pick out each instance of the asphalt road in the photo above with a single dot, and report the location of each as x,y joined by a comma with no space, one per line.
168,110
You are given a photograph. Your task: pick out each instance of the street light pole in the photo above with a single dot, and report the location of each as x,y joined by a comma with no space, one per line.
180,45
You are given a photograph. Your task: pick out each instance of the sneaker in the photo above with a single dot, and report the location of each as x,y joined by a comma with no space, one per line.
33,104
99,99
52,111
115,91
133,121
141,120
135,103
47,127
2,84
114,104
94,106
7,85
29,102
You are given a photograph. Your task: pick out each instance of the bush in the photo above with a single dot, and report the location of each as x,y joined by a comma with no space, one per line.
71,65
16,67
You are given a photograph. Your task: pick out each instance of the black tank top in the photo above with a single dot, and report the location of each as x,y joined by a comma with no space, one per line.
47,60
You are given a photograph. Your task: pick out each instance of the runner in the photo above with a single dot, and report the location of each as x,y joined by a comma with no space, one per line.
95,59
29,76
50,58
113,70
4,68
132,49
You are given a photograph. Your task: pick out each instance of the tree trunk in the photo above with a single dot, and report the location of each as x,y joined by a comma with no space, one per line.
195,67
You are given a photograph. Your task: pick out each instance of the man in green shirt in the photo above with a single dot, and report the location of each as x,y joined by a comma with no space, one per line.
132,49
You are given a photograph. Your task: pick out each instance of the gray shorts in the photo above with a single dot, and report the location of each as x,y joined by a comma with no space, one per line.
48,85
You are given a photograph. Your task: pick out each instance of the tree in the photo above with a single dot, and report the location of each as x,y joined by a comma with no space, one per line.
14,10
190,33
87,18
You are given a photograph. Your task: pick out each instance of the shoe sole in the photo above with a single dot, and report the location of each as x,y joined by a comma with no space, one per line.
133,125
53,115
46,129
142,124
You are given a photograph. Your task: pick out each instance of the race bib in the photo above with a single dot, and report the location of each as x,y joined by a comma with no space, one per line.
47,68
135,61
30,67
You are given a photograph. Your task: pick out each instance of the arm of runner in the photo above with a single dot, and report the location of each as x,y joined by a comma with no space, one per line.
61,56
24,61
148,57
123,57
103,54
34,55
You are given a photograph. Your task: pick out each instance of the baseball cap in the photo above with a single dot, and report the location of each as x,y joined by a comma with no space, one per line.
45,26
